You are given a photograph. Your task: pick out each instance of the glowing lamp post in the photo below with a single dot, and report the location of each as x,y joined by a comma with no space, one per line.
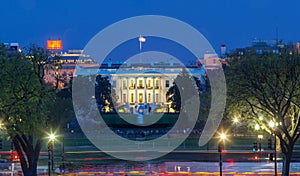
272,126
51,137
50,151
257,127
223,136
220,148
235,121
260,136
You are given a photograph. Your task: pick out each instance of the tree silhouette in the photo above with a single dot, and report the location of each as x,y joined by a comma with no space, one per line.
265,88
24,101
104,94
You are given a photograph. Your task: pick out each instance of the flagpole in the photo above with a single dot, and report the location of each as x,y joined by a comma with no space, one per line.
140,46
141,40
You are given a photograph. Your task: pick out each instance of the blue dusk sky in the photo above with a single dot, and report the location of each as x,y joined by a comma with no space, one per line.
231,22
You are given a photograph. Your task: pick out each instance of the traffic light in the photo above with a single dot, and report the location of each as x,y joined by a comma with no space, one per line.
270,144
14,156
0,143
254,149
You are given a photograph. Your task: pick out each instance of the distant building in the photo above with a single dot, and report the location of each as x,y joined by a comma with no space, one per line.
211,62
267,46
60,72
142,83
297,48
259,47
134,82
12,48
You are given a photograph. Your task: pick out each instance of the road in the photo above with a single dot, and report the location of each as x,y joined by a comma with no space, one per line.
176,163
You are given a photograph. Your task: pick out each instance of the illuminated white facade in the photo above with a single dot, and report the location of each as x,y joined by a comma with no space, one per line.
146,84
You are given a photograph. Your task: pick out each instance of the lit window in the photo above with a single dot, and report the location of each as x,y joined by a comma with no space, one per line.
140,98
140,83
131,84
131,98
156,84
149,97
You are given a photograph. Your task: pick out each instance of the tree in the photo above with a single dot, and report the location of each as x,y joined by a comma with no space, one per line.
53,65
173,97
104,93
23,103
180,91
265,88
62,111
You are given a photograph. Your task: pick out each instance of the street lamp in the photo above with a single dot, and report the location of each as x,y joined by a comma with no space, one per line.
272,126
50,151
235,121
260,136
63,155
51,137
220,148
223,136
257,127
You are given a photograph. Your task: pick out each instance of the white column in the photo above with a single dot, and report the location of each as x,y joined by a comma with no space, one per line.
136,97
153,90
145,90
127,87
120,80
160,90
